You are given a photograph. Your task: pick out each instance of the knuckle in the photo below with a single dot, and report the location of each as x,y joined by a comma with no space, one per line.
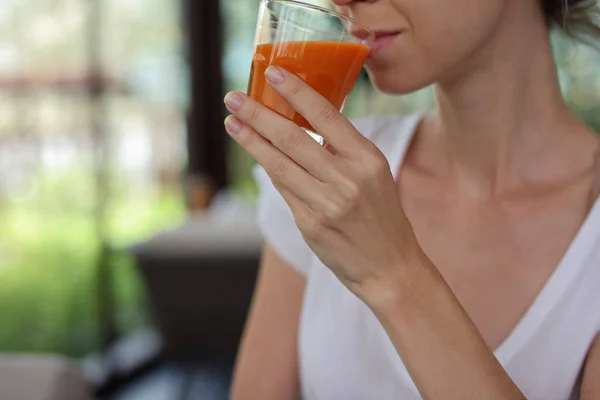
312,228
327,115
253,115
245,138
336,212
294,89
292,140
279,169
333,212
349,190
375,167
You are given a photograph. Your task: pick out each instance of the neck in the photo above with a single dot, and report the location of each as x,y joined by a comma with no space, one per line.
495,119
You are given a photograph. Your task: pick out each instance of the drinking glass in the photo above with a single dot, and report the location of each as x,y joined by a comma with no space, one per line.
324,48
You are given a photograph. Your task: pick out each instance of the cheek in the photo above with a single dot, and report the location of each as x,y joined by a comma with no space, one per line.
457,29
442,38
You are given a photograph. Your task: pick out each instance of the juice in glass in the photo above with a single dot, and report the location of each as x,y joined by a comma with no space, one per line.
329,67
324,48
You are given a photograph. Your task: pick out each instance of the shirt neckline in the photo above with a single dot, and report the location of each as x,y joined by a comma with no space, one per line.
557,284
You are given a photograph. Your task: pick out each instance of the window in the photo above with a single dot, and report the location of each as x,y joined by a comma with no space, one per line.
51,205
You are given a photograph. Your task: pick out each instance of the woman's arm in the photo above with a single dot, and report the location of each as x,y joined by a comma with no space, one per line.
590,389
444,352
346,204
267,364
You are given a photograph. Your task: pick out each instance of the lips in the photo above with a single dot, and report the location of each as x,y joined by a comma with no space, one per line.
382,40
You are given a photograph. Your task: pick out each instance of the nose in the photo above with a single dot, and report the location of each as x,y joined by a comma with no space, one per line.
350,7
346,2
341,3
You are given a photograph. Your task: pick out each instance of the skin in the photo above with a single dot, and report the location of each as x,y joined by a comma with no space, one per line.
451,254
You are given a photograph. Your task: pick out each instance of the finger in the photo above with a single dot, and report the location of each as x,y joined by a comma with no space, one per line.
319,112
282,169
283,134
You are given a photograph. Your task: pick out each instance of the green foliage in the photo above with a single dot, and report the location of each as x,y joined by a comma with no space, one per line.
48,256
48,235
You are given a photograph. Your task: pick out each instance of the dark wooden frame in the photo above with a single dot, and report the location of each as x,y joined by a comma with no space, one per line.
207,141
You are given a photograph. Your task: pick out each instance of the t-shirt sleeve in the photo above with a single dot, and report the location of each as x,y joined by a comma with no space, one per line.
278,226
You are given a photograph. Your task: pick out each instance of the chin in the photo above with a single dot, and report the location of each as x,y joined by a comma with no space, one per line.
395,81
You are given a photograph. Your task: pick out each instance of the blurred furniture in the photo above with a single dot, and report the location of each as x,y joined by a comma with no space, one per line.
200,278
36,377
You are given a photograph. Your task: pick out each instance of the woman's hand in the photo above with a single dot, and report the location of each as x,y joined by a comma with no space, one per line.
346,205
345,201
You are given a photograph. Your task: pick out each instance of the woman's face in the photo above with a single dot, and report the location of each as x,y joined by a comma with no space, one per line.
424,41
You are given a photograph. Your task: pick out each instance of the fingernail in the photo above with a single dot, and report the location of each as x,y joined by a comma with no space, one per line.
233,101
274,75
233,125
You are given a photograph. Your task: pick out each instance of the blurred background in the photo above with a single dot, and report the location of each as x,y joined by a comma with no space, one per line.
127,241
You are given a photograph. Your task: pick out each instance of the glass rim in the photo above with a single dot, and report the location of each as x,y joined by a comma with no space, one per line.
321,9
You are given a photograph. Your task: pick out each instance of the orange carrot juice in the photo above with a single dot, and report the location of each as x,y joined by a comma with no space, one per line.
331,68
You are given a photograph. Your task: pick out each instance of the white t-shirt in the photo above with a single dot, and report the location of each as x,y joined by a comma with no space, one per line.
345,354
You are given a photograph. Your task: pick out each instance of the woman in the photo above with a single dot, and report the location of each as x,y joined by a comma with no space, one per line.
449,256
